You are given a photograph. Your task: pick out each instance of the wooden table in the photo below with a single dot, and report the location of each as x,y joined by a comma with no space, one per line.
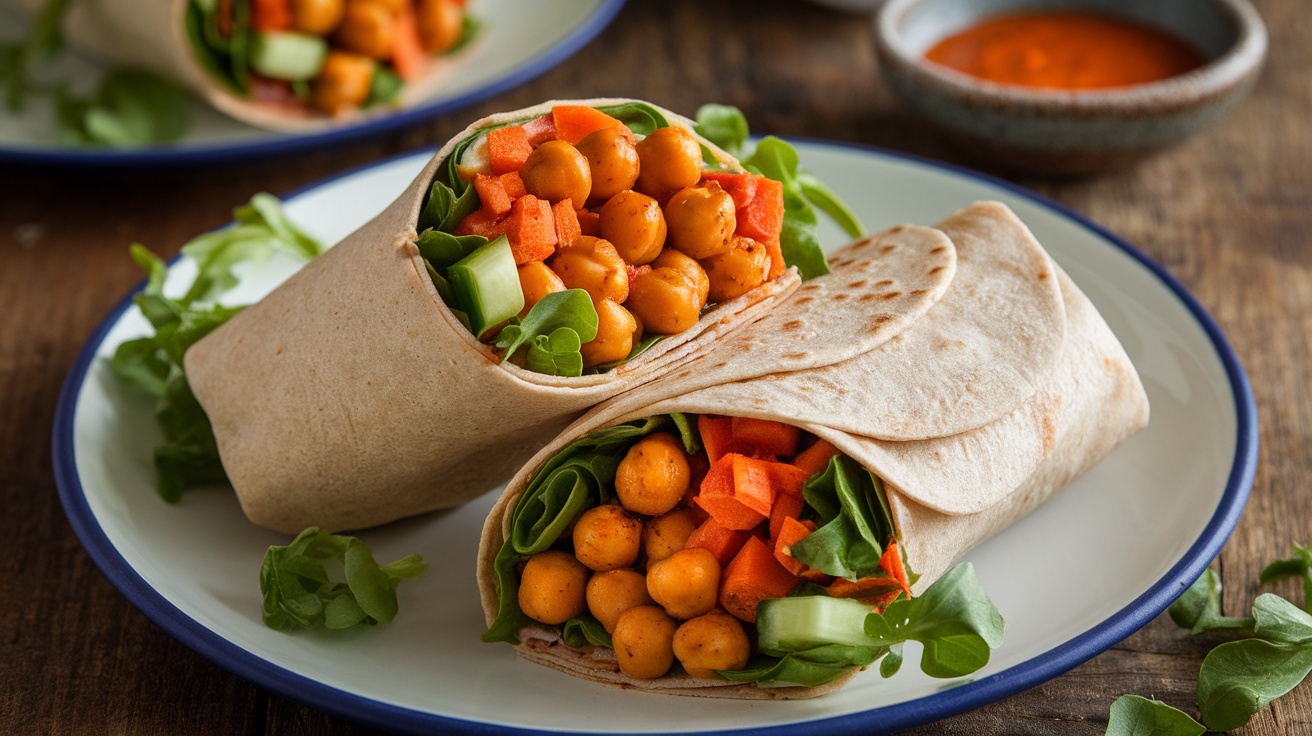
1230,213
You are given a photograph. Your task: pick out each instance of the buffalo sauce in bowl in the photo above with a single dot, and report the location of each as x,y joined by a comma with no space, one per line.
1069,50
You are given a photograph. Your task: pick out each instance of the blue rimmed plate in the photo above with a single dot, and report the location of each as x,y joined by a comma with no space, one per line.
519,42
1080,574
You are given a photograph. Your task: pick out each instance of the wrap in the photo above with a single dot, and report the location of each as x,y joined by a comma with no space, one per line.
1007,389
352,395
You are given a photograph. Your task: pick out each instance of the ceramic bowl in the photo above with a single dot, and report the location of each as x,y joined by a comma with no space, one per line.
1071,132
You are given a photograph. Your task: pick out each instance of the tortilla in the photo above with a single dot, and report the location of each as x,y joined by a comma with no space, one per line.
352,396
947,491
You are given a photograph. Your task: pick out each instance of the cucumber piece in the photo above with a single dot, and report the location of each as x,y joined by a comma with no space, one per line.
485,285
785,625
291,56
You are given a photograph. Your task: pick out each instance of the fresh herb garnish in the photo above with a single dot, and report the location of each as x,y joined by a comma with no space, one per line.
1133,715
298,591
189,455
130,108
555,330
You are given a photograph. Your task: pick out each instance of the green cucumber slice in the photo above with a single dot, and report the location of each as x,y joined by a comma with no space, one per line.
786,625
291,56
485,285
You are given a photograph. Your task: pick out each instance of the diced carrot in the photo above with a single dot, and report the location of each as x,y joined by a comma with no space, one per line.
774,437
271,15
408,55
492,194
508,148
513,183
741,187
788,480
567,224
777,263
540,130
531,229
737,492
815,458
891,563
717,435
790,532
721,541
763,218
863,589
589,222
482,222
753,576
575,122
785,507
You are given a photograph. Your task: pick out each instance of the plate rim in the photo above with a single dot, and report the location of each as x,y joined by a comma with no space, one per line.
165,155
943,704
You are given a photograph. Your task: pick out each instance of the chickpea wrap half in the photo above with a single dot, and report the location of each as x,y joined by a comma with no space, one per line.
286,65
355,393
792,531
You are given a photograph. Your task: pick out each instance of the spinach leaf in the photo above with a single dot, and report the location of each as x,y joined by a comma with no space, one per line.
385,87
723,125
827,200
1239,678
130,108
854,526
776,159
570,310
298,591
1300,565
640,117
809,668
556,354
1136,716
445,207
442,250
585,631
1276,619
1199,607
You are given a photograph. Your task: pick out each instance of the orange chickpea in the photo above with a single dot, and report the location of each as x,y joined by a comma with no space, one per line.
667,534
668,160
670,258
712,642
653,476
745,266
644,642
593,264
343,82
368,27
685,584
440,24
665,300
607,537
552,587
613,160
556,171
701,220
536,281
317,17
613,592
635,225
616,328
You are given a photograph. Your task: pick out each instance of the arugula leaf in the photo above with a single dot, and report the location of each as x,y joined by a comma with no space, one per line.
298,591
1133,715
1300,565
551,351
131,108
1199,607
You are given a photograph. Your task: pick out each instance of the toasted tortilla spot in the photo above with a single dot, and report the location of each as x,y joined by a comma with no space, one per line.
890,295
857,284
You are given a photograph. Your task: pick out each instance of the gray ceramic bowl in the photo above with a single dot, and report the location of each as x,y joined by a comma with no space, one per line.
1071,132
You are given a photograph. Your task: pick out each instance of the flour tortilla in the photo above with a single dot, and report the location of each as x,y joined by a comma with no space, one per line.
947,493
151,35
352,396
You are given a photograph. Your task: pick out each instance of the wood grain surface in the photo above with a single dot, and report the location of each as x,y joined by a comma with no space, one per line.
1229,213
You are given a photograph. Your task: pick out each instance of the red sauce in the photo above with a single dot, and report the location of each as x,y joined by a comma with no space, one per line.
1066,50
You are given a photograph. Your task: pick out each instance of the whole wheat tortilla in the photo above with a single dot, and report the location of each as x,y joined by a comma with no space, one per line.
352,396
947,494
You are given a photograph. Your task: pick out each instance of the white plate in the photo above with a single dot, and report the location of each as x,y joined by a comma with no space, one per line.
519,41
1075,577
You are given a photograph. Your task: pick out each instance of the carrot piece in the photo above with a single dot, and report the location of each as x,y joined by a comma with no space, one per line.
589,222
271,15
753,576
540,130
787,480
531,229
773,437
408,55
862,589
737,492
508,148
575,122
482,222
719,540
790,532
763,218
492,194
891,563
717,435
567,224
513,183
815,458
786,506
741,187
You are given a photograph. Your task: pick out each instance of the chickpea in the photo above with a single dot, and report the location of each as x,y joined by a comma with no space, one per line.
668,160
685,584
593,264
712,642
653,476
613,592
613,160
701,220
440,24
393,6
635,225
644,642
343,82
743,267
317,17
671,258
552,588
368,27
668,533
616,328
607,537
536,281
665,300
555,171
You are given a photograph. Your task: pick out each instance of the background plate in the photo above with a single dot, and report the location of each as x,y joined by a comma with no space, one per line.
1083,572
519,41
